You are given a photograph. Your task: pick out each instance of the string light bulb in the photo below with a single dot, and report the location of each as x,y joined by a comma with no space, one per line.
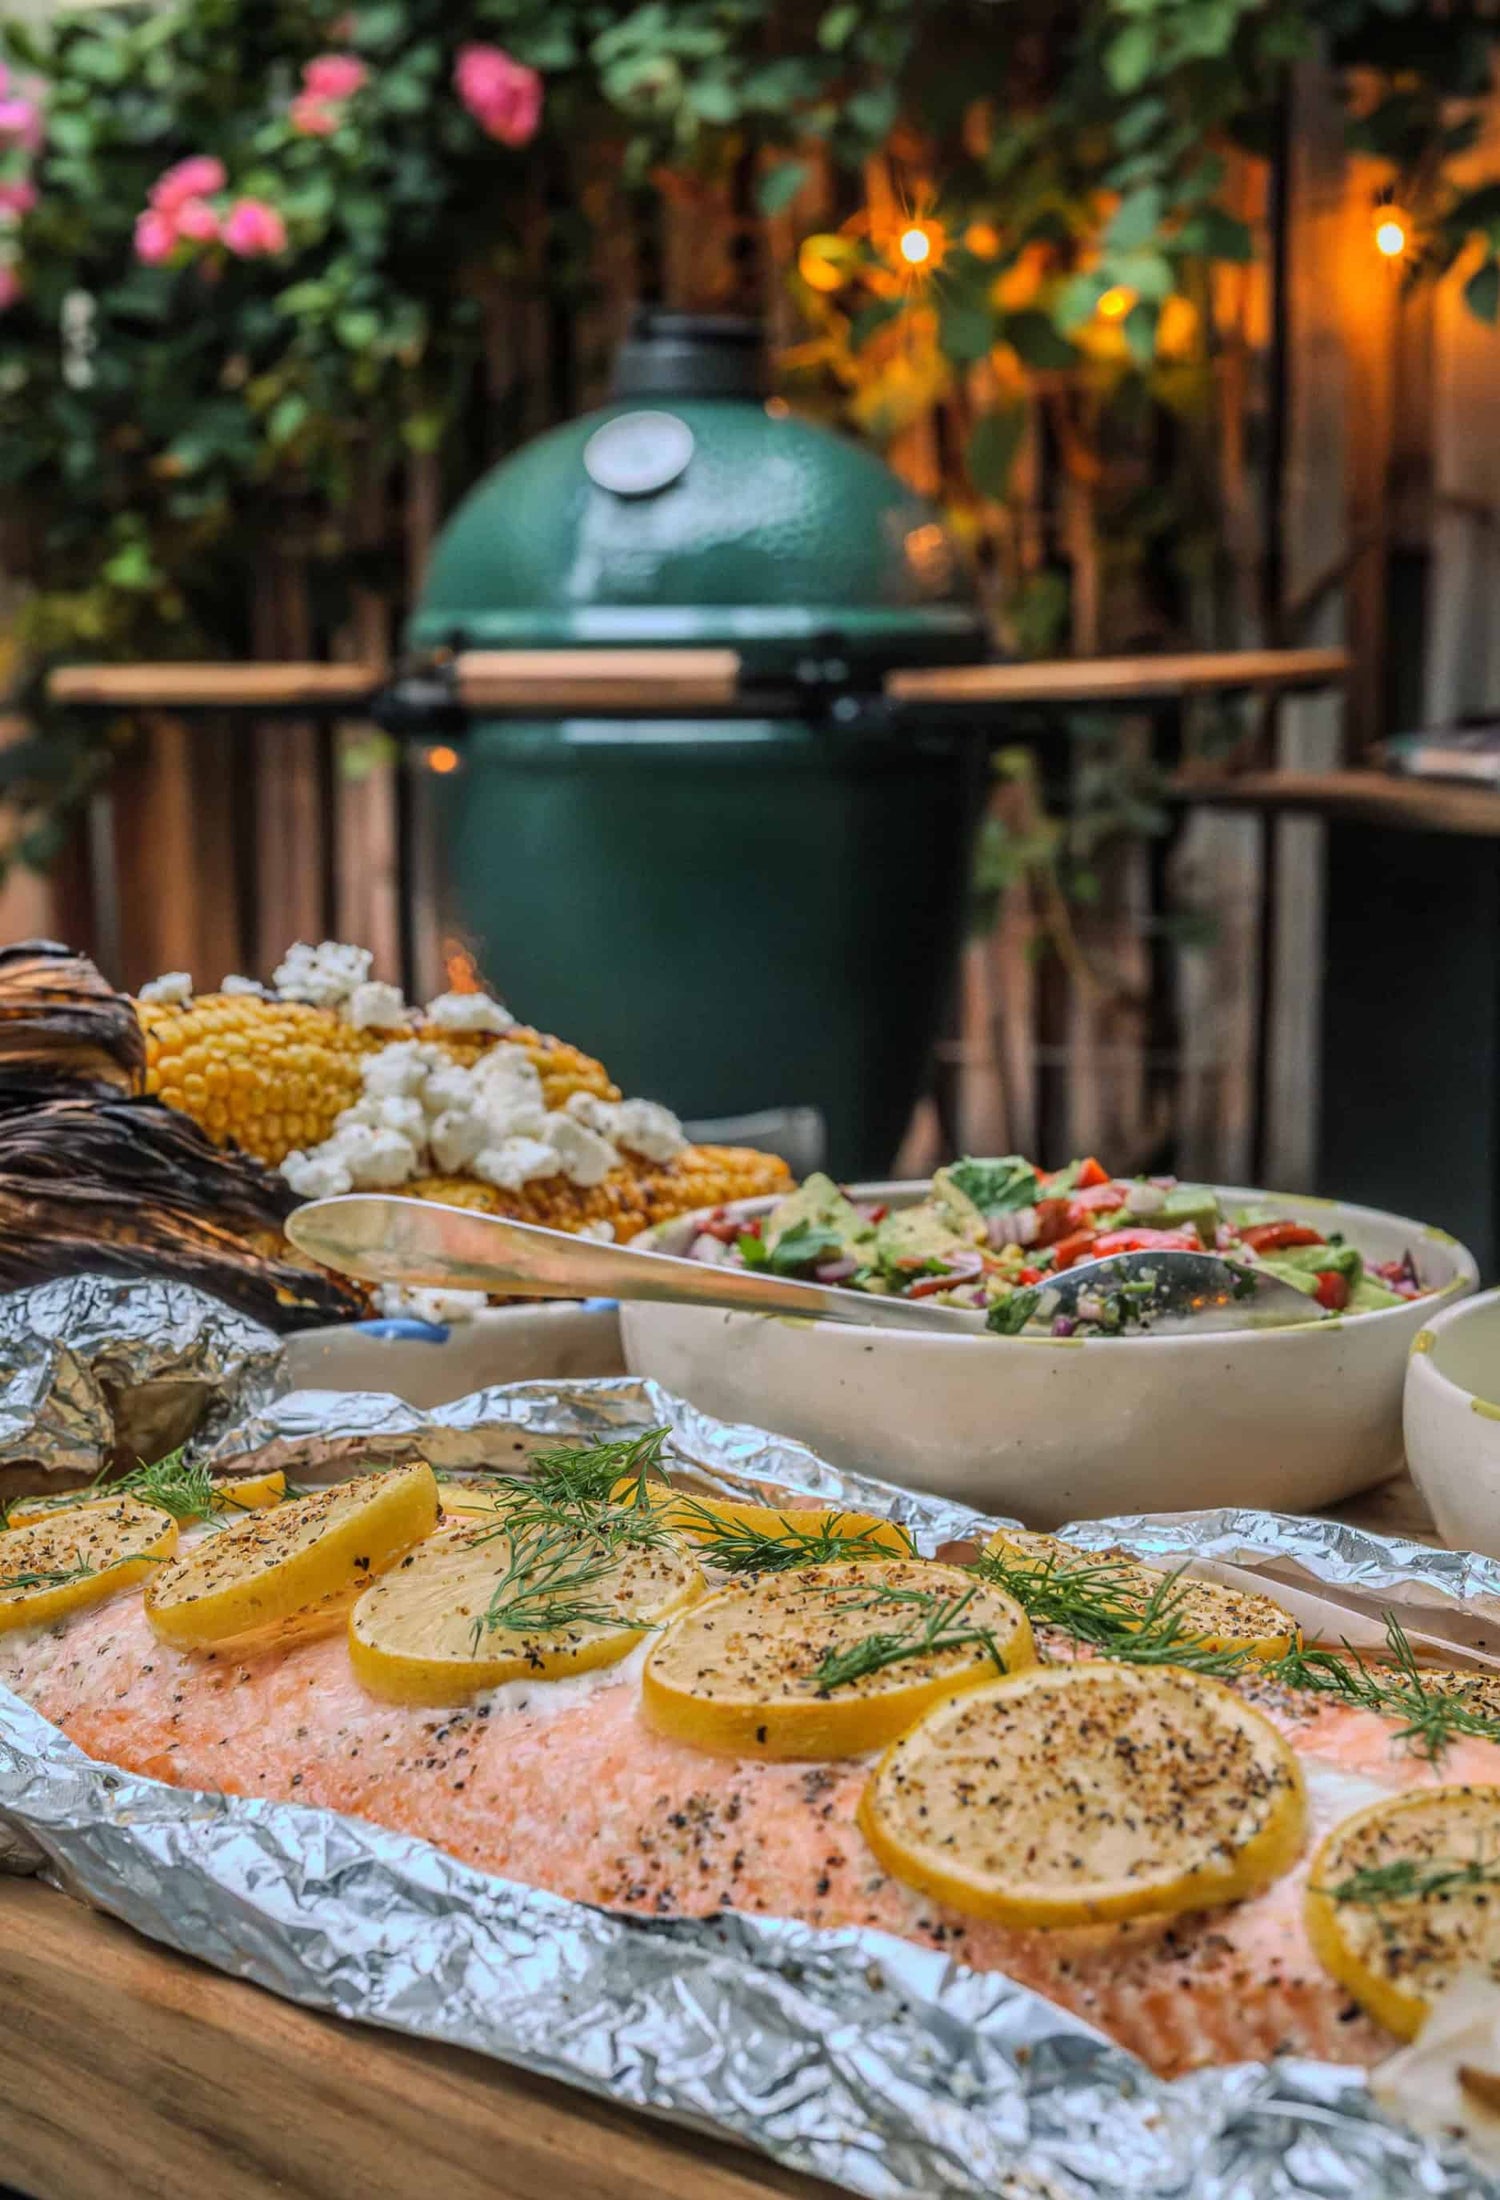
915,245
1116,302
1392,233
442,759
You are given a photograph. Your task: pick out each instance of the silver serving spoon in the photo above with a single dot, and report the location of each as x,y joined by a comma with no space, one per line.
1169,1293
382,1239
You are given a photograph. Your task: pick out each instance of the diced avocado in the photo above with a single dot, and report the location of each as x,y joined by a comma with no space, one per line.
1190,1207
913,1235
955,1206
818,1204
1368,1295
1301,1266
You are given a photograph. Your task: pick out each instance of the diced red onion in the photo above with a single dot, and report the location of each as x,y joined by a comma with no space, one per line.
711,1249
837,1271
1063,1325
1020,1227
964,1264
1145,1199
1089,1308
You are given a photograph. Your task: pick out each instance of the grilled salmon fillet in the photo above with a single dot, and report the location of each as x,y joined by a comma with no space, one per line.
560,1785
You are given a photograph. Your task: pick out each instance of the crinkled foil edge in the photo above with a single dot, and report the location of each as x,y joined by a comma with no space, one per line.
850,2054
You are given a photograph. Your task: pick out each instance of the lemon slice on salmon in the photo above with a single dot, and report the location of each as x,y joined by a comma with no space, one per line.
743,1538
271,1567
828,1661
1209,1615
474,1607
57,1565
246,1493
1080,1794
1406,1894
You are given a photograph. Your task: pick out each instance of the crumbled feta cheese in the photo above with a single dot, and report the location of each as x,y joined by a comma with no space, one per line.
645,1126
399,1069
252,988
441,1307
516,1161
377,1159
602,1233
469,1012
376,1006
509,1094
584,1156
172,985
450,1091
321,1174
457,1137
391,1112
324,975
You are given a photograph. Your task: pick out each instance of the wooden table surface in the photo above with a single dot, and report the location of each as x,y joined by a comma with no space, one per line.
129,2073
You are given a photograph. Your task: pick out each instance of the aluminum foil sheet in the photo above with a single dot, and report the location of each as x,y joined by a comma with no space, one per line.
886,2068
101,1368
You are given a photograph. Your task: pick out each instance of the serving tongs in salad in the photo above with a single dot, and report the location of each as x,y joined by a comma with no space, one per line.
386,1239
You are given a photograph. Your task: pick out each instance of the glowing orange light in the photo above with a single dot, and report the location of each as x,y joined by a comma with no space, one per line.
459,967
1391,234
823,262
442,760
1116,302
777,408
914,246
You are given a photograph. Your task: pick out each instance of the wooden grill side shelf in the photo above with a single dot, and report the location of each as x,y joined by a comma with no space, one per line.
130,2071
1374,798
1120,679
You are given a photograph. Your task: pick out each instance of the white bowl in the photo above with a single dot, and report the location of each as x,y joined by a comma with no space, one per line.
1452,1420
1054,1429
430,1365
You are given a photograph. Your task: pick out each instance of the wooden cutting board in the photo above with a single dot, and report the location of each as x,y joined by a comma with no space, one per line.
136,2074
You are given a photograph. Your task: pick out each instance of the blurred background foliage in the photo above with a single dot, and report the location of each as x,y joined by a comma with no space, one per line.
1016,242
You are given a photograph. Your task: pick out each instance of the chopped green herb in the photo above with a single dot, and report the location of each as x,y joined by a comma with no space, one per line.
1413,1879
805,1245
1009,1316
933,1623
737,1548
1099,1601
999,1186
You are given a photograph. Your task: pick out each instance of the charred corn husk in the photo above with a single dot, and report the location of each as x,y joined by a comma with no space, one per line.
631,1198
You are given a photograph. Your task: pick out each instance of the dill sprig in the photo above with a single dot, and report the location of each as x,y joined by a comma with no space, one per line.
1434,1711
565,1528
736,1547
1099,1602
1413,1879
44,1577
933,1623
187,1492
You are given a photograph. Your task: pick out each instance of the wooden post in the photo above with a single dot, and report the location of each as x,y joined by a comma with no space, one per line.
292,865
174,854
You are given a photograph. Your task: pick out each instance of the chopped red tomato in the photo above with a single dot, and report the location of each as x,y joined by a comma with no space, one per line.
1332,1291
1089,1174
1051,1221
1030,1275
1098,1198
1077,1247
1142,1240
876,1214
925,1286
1275,1237
726,1229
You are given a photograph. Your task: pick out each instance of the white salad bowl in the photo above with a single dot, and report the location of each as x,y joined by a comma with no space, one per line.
1452,1420
1053,1429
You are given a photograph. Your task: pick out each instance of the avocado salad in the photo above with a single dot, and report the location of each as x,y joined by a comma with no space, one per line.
990,1233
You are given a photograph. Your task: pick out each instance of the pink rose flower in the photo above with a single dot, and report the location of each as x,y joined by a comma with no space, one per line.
189,179
503,95
253,229
334,76
311,118
155,236
197,221
17,196
10,285
21,123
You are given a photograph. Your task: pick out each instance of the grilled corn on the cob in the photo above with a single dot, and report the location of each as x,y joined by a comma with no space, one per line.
632,1198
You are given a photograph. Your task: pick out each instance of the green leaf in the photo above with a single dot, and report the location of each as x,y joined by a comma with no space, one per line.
357,329
1482,292
966,330
1130,57
1216,235
998,1185
1140,332
779,186
837,27
870,319
1037,341
1135,220
993,445
873,111
804,1246
286,417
